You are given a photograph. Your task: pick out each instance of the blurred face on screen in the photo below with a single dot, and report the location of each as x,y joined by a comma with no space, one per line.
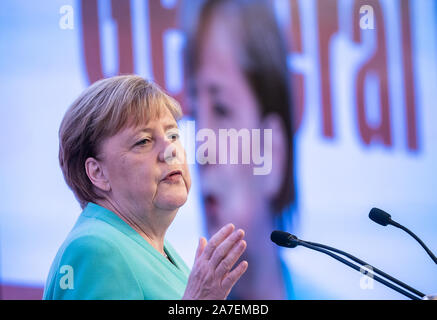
141,175
223,100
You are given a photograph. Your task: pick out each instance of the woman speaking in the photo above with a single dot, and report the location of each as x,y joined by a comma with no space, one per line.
120,154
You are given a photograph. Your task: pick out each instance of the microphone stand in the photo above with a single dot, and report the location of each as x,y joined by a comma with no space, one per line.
315,247
376,270
397,225
383,218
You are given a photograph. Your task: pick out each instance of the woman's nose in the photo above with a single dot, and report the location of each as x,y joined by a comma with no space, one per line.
168,151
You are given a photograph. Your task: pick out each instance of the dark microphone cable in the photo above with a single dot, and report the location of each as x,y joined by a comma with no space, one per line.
383,218
363,263
288,240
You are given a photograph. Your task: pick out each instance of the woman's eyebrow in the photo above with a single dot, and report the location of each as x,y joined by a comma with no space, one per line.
213,89
170,126
149,130
141,130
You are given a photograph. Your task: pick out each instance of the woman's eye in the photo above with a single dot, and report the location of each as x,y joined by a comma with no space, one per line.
174,136
220,110
142,142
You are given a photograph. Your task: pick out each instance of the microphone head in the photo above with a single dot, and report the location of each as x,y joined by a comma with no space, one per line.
380,216
284,239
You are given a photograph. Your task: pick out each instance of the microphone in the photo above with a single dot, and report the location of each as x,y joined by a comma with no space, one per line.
383,218
380,217
284,239
288,240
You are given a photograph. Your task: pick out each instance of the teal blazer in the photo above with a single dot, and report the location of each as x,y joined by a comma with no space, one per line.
104,258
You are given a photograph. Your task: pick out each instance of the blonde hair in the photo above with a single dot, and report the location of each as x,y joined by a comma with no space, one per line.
101,111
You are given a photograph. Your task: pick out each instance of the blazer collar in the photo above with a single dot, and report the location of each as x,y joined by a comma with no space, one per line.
93,210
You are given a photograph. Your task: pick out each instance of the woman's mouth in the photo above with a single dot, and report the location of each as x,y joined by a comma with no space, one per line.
173,176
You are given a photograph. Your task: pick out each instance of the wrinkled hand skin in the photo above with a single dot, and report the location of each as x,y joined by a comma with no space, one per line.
212,276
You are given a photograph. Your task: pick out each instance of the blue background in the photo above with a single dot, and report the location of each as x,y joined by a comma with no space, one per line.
339,180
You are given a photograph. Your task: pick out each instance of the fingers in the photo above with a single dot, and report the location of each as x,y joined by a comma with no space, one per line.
211,276
223,249
233,276
216,239
200,247
230,259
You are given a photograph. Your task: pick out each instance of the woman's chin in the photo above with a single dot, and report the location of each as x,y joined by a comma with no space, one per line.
171,201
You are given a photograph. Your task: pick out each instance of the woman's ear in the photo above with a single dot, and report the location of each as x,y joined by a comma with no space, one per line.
273,180
96,174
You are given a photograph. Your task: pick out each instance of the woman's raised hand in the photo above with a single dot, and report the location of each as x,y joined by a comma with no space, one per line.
211,277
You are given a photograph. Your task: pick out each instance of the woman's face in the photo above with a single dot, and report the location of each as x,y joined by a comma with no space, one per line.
223,100
137,163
